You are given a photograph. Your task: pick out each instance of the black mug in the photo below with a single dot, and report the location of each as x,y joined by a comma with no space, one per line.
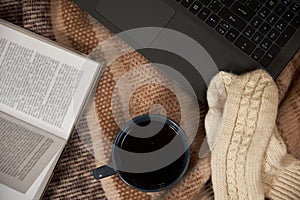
150,153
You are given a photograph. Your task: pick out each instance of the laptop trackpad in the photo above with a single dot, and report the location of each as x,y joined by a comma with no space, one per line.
129,14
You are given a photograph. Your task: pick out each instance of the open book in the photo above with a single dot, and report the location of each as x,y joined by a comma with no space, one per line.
43,89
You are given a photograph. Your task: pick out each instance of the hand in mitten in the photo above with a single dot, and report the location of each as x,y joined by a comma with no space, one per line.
241,132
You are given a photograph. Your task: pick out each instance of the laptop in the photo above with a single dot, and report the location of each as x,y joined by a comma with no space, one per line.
237,35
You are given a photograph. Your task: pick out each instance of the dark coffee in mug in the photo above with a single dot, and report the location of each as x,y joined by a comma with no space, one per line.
163,140
162,177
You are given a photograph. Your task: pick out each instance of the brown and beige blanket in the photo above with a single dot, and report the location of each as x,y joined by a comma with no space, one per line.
63,22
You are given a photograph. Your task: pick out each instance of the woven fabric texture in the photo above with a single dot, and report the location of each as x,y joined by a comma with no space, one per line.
64,22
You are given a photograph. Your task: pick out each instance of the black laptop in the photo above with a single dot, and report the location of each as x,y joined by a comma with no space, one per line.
238,35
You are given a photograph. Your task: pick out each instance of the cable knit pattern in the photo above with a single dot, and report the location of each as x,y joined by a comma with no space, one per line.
246,110
249,156
240,141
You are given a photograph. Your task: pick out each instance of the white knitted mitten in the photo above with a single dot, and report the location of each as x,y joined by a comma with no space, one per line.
241,132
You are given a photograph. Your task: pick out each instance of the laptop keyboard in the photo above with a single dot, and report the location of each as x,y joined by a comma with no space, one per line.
260,28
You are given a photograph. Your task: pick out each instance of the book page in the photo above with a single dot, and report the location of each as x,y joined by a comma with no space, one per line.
24,152
36,189
43,84
43,88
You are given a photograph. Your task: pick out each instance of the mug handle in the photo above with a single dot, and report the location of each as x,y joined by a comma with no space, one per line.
103,171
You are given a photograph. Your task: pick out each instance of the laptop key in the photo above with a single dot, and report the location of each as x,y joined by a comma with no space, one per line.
204,13
243,11
187,3
285,36
274,50
253,5
279,9
227,2
205,2
232,19
296,22
286,2
215,6
232,35
225,25
195,7
221,30
245,45
270,55
295,7
271,4
272,19
213,20
265,28
266,43
280,25
266,60
257,37
249,31
256,22
273,34
264,12
257,54
288,15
